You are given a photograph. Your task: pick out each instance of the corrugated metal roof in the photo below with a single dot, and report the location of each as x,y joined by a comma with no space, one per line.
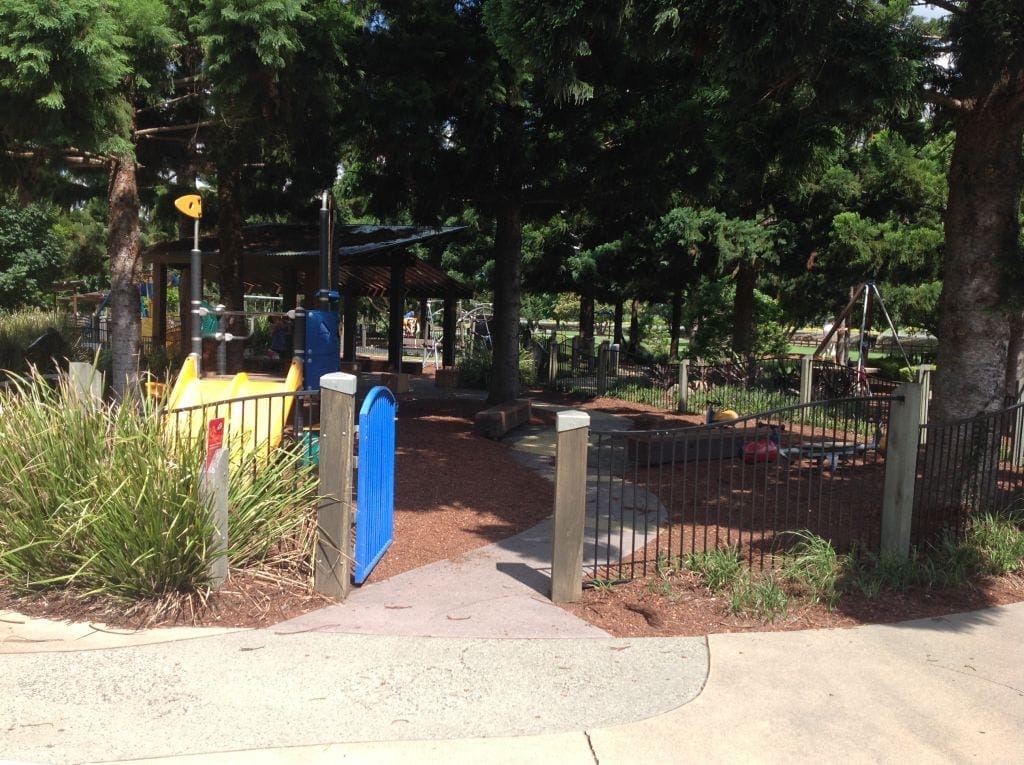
365,255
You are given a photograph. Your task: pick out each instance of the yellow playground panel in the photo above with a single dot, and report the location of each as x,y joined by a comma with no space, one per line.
253,426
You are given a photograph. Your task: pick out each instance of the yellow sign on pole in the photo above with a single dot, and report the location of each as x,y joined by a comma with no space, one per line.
191,205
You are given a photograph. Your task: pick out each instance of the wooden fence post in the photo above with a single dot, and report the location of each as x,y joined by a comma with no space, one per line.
806,379
683,398
332,573
924,378
213,493
573,433
86,383
902,443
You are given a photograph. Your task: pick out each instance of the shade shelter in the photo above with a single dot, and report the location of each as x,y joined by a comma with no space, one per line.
366,260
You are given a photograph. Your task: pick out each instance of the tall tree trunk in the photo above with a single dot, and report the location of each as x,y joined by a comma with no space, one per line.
634,326
587,316
981,225
124,278
674,322
743,310
229,231
508,254
617,334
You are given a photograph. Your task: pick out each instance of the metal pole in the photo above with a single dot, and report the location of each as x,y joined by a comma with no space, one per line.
222,342
196,273
325,256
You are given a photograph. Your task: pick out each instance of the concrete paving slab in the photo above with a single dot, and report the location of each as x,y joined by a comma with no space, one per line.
564,749
22,634
265,690
949,689
498,591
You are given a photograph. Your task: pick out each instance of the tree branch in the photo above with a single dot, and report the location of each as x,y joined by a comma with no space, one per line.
171,102
941,99
70,156
947,5
173,128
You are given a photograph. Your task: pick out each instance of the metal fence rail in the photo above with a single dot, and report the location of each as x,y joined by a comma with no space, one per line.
575,365
662,494
257,427
966,467
759,385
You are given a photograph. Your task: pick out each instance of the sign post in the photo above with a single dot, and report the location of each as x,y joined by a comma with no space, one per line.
213,492
191,205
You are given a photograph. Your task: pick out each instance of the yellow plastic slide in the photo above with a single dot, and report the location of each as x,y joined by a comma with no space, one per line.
252,426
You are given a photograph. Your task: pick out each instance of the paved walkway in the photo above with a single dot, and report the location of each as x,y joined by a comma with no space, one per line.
480,667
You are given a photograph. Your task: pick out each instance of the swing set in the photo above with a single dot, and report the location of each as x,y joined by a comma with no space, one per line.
866,295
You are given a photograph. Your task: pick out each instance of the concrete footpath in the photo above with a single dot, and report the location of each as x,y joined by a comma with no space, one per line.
936,690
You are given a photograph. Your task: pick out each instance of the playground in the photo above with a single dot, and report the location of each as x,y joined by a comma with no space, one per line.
458,492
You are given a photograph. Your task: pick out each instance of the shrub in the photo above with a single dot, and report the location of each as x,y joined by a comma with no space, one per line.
101,501
813,562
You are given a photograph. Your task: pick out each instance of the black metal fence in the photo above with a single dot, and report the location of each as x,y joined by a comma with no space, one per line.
256,427
575,363
831,380
754,386
967,467
661,494
90,336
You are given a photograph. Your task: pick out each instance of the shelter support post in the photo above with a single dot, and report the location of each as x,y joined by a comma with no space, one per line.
350,320
290,295
448,330
332,574
396,311
159,305
573,433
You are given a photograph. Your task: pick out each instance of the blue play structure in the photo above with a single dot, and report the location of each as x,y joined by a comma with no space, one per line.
322,346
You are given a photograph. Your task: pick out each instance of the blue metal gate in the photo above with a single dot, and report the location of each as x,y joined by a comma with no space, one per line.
375,486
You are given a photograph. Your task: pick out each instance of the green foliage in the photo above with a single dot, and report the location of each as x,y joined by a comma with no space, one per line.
103,502
475,368
763,598
270,509
893,368
710,313
724,571
814,563
20,329
31,255
720,568
1000,541
537,307
83,237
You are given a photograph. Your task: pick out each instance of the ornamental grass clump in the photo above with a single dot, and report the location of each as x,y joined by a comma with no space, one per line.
100,501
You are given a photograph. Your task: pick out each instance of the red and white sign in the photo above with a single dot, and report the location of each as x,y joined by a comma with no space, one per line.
214,439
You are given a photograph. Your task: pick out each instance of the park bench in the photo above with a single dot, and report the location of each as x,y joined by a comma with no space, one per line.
690,444
496,421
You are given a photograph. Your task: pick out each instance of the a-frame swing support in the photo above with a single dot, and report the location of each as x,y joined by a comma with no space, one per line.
864,295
